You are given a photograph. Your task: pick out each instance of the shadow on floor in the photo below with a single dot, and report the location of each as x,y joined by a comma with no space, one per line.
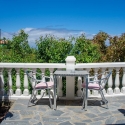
66,102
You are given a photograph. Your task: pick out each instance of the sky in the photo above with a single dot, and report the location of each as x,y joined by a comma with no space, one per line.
61,18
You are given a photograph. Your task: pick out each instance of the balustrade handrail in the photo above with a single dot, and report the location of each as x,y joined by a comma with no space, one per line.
32,65
100,65
62,65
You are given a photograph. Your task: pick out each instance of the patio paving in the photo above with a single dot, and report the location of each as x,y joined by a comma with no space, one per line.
67,113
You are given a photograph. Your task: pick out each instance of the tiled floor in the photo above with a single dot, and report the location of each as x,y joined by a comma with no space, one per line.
67,113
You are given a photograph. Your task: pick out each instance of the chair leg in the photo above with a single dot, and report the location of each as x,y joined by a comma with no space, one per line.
50,99
83,97
32,98
104,101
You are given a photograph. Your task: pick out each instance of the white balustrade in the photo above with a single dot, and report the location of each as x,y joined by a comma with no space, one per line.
1,82
117,90
103,75
79,84
59,86
94,92
70,81
51,76
43,92
10,82
18,83
110,83
26,91
33,83
123,82
89,92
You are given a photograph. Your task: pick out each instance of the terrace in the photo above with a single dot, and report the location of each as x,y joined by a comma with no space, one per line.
68,107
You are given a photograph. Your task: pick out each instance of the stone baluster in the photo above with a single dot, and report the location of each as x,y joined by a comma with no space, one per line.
1,83
51,76
70,81
117,90
123,82
79,91
18,90
110,83
89,92
79,85
26,91
102,82
59,87
33,83
94,92
43,92
10,82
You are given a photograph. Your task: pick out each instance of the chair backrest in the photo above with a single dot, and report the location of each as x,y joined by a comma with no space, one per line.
30,76
105,79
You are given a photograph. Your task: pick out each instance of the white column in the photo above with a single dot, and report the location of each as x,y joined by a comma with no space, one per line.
123,82
89,92
18,90
43,93
1,83
26,91
79,91
10,82
95,92
59,87
102,83
33,83
70,81
117,90
110,90
79,85
51,76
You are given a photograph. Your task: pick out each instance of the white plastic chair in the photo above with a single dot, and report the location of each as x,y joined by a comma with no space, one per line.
39,85
98,85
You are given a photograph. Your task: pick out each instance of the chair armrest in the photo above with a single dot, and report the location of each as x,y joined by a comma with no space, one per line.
96,75
44,76
48,77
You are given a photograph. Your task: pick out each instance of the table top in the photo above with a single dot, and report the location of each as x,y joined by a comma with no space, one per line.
70,73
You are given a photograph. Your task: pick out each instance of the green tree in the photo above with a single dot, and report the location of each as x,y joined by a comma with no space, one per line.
85,51
100,40
116,50
53,50
17,49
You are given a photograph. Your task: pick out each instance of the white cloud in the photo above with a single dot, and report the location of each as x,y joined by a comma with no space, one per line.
35,33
